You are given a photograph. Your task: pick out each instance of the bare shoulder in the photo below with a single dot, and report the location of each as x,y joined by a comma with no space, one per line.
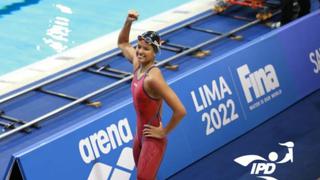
155,72
155,79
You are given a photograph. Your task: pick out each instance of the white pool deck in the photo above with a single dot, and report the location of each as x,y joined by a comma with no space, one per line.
54,64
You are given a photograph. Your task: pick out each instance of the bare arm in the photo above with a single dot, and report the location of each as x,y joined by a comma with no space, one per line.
160,88
123,39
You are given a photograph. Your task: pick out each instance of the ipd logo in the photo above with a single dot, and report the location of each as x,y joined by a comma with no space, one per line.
263,167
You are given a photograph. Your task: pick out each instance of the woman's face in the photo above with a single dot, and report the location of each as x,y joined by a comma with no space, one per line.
144,52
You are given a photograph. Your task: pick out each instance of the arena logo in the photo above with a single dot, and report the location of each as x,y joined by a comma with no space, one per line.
315,59
260,82
264,168
122,170
105,140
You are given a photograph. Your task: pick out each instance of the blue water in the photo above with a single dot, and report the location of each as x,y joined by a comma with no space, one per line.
32,30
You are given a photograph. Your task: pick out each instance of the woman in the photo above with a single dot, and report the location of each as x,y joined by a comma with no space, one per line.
148,89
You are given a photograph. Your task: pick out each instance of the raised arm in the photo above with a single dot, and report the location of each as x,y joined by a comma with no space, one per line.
160,89
123,39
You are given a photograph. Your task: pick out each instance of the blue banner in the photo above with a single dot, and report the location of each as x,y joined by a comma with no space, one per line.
98,150
301,48
243,89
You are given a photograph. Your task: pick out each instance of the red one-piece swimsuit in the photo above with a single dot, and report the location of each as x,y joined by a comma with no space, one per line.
148,152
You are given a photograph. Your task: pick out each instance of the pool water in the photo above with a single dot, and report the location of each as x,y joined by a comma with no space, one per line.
32,30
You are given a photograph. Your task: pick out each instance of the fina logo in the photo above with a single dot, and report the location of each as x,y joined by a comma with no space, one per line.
261,81
123,169
264,169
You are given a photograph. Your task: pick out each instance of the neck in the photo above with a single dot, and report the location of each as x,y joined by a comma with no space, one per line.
144,67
